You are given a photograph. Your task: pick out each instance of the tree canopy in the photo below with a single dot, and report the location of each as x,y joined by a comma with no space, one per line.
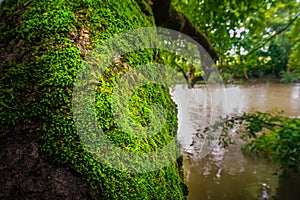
253,38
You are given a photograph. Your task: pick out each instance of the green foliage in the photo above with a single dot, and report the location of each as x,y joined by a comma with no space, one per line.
280,142
268,133
288,77
227,77
41,52
278,59
294,61
217,18
256,39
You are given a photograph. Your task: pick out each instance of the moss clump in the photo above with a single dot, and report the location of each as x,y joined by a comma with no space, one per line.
42,46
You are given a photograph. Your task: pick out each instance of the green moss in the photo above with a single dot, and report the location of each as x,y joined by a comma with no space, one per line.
41,52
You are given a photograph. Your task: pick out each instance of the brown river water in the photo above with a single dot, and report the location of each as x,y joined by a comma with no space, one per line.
215,173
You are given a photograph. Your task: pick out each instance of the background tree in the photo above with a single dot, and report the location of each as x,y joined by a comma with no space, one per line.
255,38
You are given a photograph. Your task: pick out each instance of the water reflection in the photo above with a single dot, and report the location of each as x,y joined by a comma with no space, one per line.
197,107
295,98
227,173
228,179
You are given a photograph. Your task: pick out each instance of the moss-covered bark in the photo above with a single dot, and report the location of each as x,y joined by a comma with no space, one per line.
42,46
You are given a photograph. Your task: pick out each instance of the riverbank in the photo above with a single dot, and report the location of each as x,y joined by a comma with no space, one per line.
254,81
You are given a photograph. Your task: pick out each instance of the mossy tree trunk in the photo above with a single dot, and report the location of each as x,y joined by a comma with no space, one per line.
42,46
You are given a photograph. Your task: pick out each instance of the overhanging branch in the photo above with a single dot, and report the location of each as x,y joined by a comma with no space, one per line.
274,35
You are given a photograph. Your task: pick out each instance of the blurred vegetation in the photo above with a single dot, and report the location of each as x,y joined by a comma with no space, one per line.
253,39
269,134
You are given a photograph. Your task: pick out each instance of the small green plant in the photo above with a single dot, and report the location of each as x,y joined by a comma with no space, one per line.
270,133
288,77
227,77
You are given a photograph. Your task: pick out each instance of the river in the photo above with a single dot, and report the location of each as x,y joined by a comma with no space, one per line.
215,173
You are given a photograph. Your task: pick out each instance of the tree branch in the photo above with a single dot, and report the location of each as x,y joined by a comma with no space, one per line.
275,34
166,16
